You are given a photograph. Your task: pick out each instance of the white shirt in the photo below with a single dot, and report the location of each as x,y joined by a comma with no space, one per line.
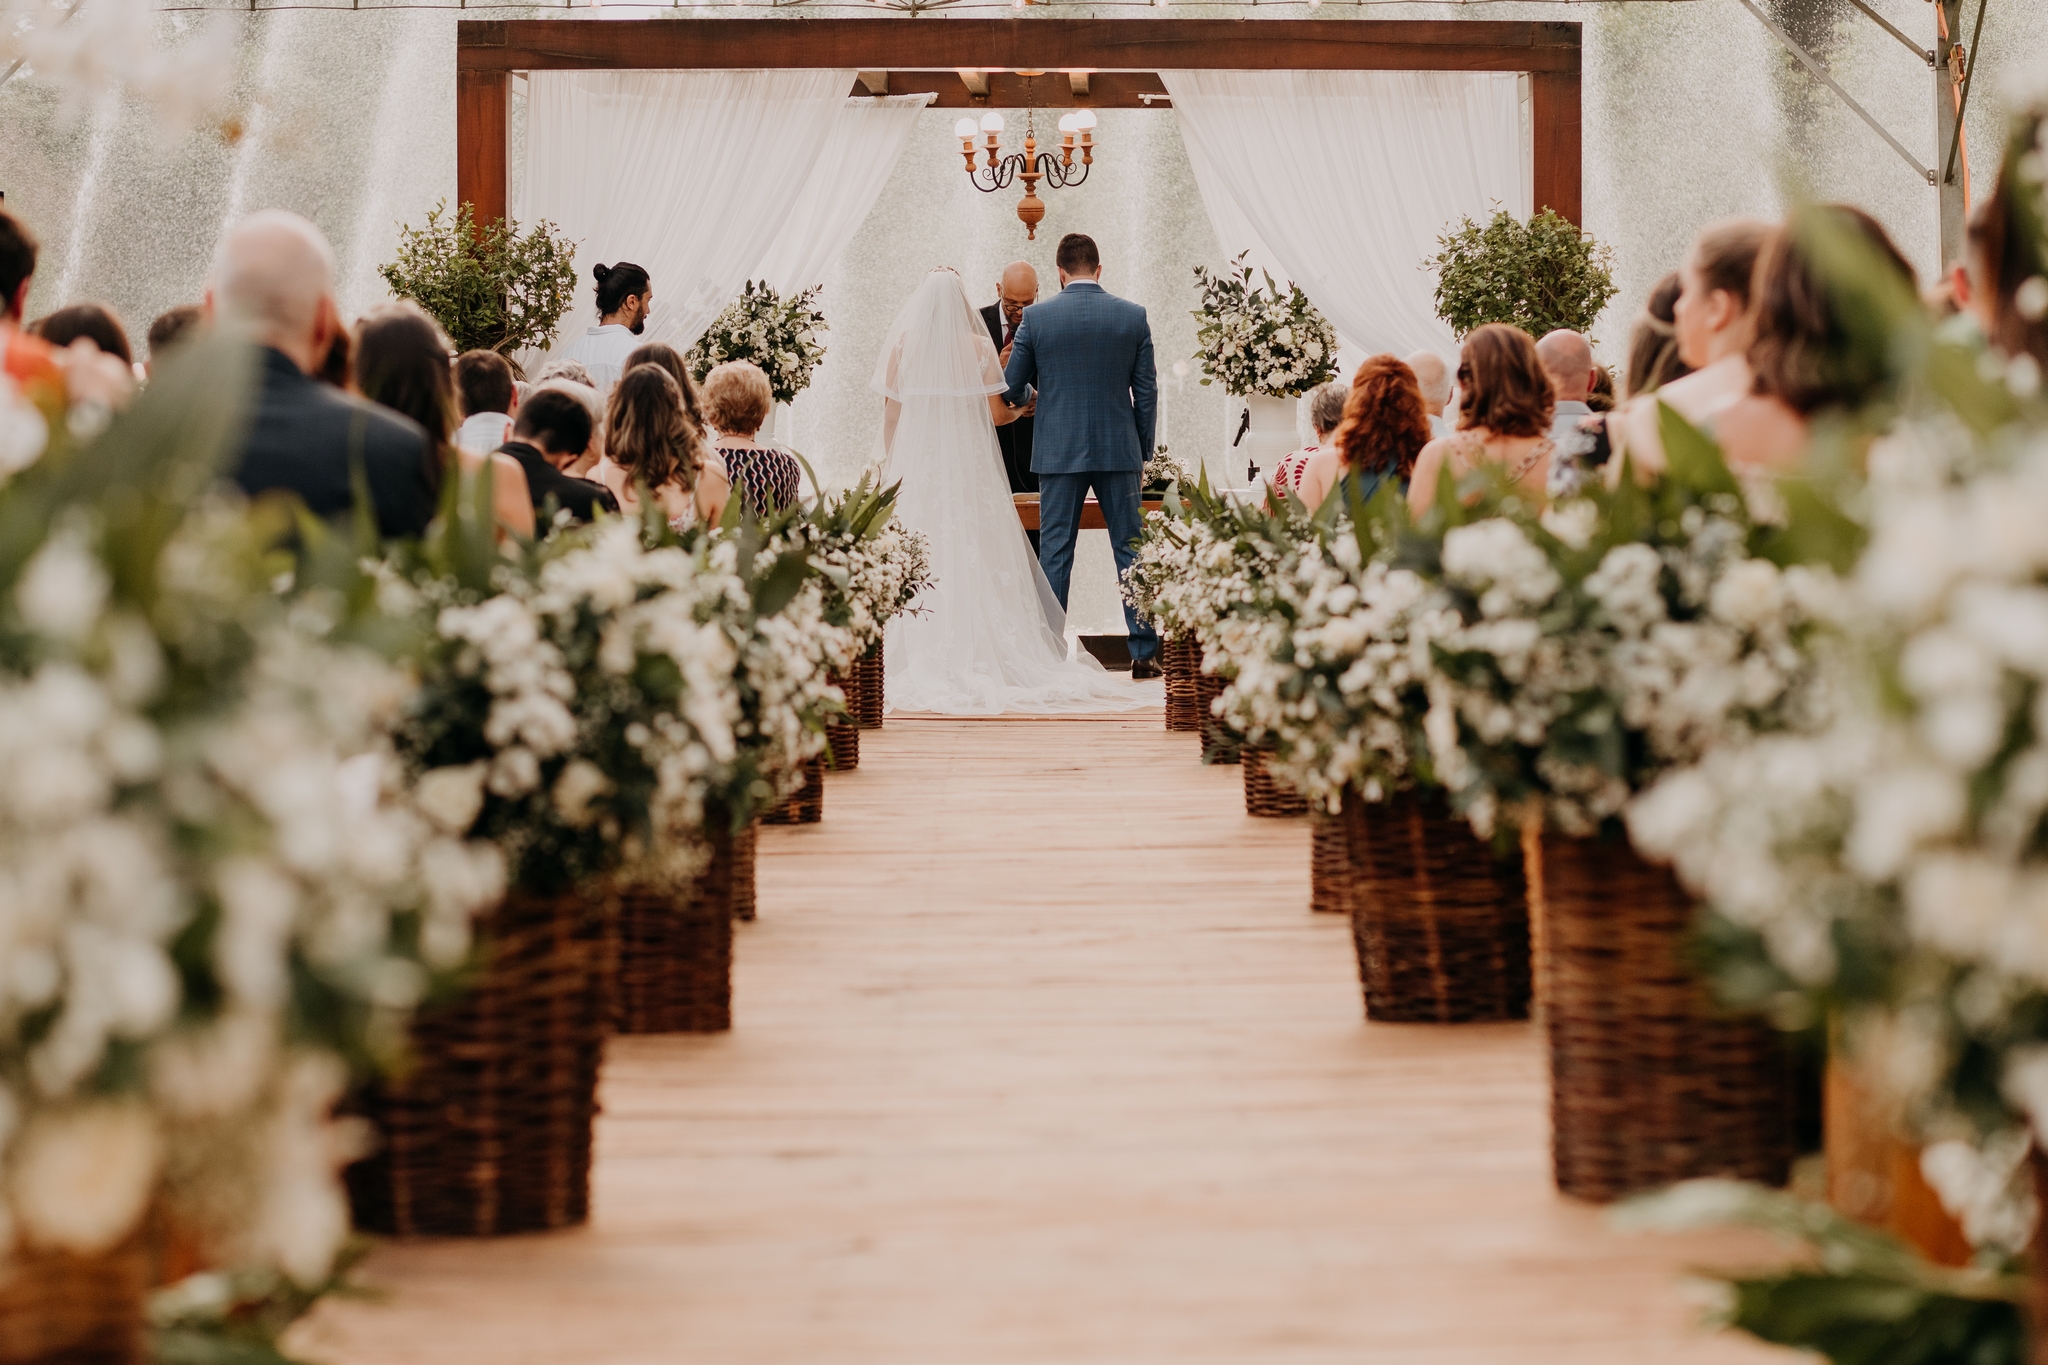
603,350
1439,426
1565,425
483,432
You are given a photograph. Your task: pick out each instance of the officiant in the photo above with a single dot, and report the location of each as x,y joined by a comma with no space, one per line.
1018,291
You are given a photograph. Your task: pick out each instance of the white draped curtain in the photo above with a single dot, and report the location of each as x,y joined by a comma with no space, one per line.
1345,179
866,141
688,173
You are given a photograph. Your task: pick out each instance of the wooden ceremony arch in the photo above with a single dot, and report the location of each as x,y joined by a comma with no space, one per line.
1110,63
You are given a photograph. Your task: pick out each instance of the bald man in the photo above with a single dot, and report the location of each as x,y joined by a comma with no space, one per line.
1568,359
1018,291
273,281
1433,377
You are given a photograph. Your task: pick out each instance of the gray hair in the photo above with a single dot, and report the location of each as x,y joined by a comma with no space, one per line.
270,273
1326,407
1432,376
570,370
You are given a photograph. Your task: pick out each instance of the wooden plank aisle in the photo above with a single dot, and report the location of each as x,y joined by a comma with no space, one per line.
1040,1058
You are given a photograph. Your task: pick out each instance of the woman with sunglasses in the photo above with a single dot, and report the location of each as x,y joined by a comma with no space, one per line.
1503,418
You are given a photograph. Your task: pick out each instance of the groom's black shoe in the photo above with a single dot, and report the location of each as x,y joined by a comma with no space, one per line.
1142,669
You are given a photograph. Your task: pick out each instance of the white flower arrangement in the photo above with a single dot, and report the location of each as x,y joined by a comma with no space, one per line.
1261,340
1163,470
781,335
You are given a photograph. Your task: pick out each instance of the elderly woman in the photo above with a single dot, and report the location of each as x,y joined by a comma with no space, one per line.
1325,411
737,400
1503,420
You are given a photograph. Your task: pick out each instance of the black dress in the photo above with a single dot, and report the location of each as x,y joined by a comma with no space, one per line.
767,480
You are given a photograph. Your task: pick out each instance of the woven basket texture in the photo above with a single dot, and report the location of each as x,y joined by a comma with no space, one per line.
1440,922
1180,660
807,807
1220,743
873,690
1650,1083
675,952
1329,862
1263,795
842,732
61,1309
488,1131
746,847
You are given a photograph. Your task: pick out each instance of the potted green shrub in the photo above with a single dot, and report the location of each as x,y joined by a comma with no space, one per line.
1539,275
499,289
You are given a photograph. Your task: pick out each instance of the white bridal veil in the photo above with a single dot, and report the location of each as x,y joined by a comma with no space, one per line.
990,636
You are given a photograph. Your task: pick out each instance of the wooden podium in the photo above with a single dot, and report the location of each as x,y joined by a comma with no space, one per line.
1091,511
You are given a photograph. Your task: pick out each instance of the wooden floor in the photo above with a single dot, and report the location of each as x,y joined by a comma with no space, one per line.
1040,1059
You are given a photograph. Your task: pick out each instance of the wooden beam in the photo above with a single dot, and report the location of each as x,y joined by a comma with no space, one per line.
975,81
1077,84
1007,90
1019,44
875,82
1554,129
480,143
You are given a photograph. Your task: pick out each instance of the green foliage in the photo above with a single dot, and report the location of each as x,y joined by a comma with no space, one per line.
499,290
1540,275
239,1317
1869,1300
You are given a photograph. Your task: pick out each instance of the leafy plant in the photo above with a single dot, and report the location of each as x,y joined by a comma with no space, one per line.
496,290
778,334
1540,275
1261,340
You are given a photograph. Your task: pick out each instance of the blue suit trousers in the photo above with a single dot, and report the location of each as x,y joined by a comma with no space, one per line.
1060,497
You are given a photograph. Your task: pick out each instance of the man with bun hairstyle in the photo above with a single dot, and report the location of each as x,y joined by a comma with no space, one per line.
624,298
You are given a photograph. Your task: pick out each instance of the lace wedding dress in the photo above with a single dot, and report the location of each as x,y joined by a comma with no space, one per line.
989,637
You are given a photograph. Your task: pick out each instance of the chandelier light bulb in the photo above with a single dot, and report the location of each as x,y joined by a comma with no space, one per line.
1084,119
1068,124
964,128
991,122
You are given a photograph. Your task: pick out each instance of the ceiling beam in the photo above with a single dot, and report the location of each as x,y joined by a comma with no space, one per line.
975,81
874,82
1077,84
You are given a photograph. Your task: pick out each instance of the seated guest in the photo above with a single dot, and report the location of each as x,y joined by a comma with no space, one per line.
1710,319
566,369
1601,396
1806,352
2001,253
664,355
587,462
338,370
485,389
273,277
1653,359
26,360
1504,416
1325,411
1384,426
1433,377
401,362
172,326
651,443
624,299
95,322
738,399
549,436
1568,362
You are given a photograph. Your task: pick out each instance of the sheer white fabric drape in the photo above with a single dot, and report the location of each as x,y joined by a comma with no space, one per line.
867,140
1347,178
684,172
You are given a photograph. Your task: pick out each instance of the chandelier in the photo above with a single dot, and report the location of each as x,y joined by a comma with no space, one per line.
1077,134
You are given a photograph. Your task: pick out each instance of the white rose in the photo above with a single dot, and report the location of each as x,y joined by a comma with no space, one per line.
83,1175
452,797
1749,594
63,589
581,783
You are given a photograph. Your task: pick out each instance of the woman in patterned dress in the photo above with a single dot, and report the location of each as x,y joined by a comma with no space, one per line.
1325,411
737,400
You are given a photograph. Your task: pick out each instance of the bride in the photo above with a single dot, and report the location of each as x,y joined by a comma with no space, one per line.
990,636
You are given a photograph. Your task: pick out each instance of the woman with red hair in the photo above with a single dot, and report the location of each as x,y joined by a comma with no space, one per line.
1384,428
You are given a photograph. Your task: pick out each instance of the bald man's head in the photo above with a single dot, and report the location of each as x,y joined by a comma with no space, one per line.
1568,360
273,275
1433,377
1019,289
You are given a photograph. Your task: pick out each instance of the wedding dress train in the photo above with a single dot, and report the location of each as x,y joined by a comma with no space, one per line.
989,637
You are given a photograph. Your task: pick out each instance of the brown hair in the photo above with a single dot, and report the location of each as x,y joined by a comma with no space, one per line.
174,325
662,354
737,398
1600,398
339,362
483,382
1653,359
401,362
1815,344
2005,251
93,321
648,432
1725,254
17,259
1385,422
1505,388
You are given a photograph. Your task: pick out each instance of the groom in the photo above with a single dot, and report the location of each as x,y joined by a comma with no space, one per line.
1090,355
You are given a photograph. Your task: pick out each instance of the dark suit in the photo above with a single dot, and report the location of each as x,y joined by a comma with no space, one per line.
1016,437
1089,354
580,498
306,437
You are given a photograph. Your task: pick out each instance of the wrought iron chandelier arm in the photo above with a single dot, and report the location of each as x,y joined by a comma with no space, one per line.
989,179
1060,174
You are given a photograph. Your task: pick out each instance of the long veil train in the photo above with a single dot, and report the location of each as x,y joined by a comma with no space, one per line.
990,637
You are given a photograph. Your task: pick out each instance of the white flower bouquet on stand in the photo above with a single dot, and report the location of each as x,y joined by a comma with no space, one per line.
1261,340
781,335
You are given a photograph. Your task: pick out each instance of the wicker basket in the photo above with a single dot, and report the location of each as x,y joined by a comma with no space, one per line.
1329,862
873,689
1441,924
1263,796
61,1309
842,732
807,806
1220,743
1649,1082
488,1131
675,952
746,846
1180,660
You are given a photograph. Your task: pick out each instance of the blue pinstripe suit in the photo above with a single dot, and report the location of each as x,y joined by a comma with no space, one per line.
1089,354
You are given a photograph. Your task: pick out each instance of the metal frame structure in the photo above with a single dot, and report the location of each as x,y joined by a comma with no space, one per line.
974,63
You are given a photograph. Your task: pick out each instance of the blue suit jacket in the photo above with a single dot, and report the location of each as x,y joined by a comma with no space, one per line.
1090,354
